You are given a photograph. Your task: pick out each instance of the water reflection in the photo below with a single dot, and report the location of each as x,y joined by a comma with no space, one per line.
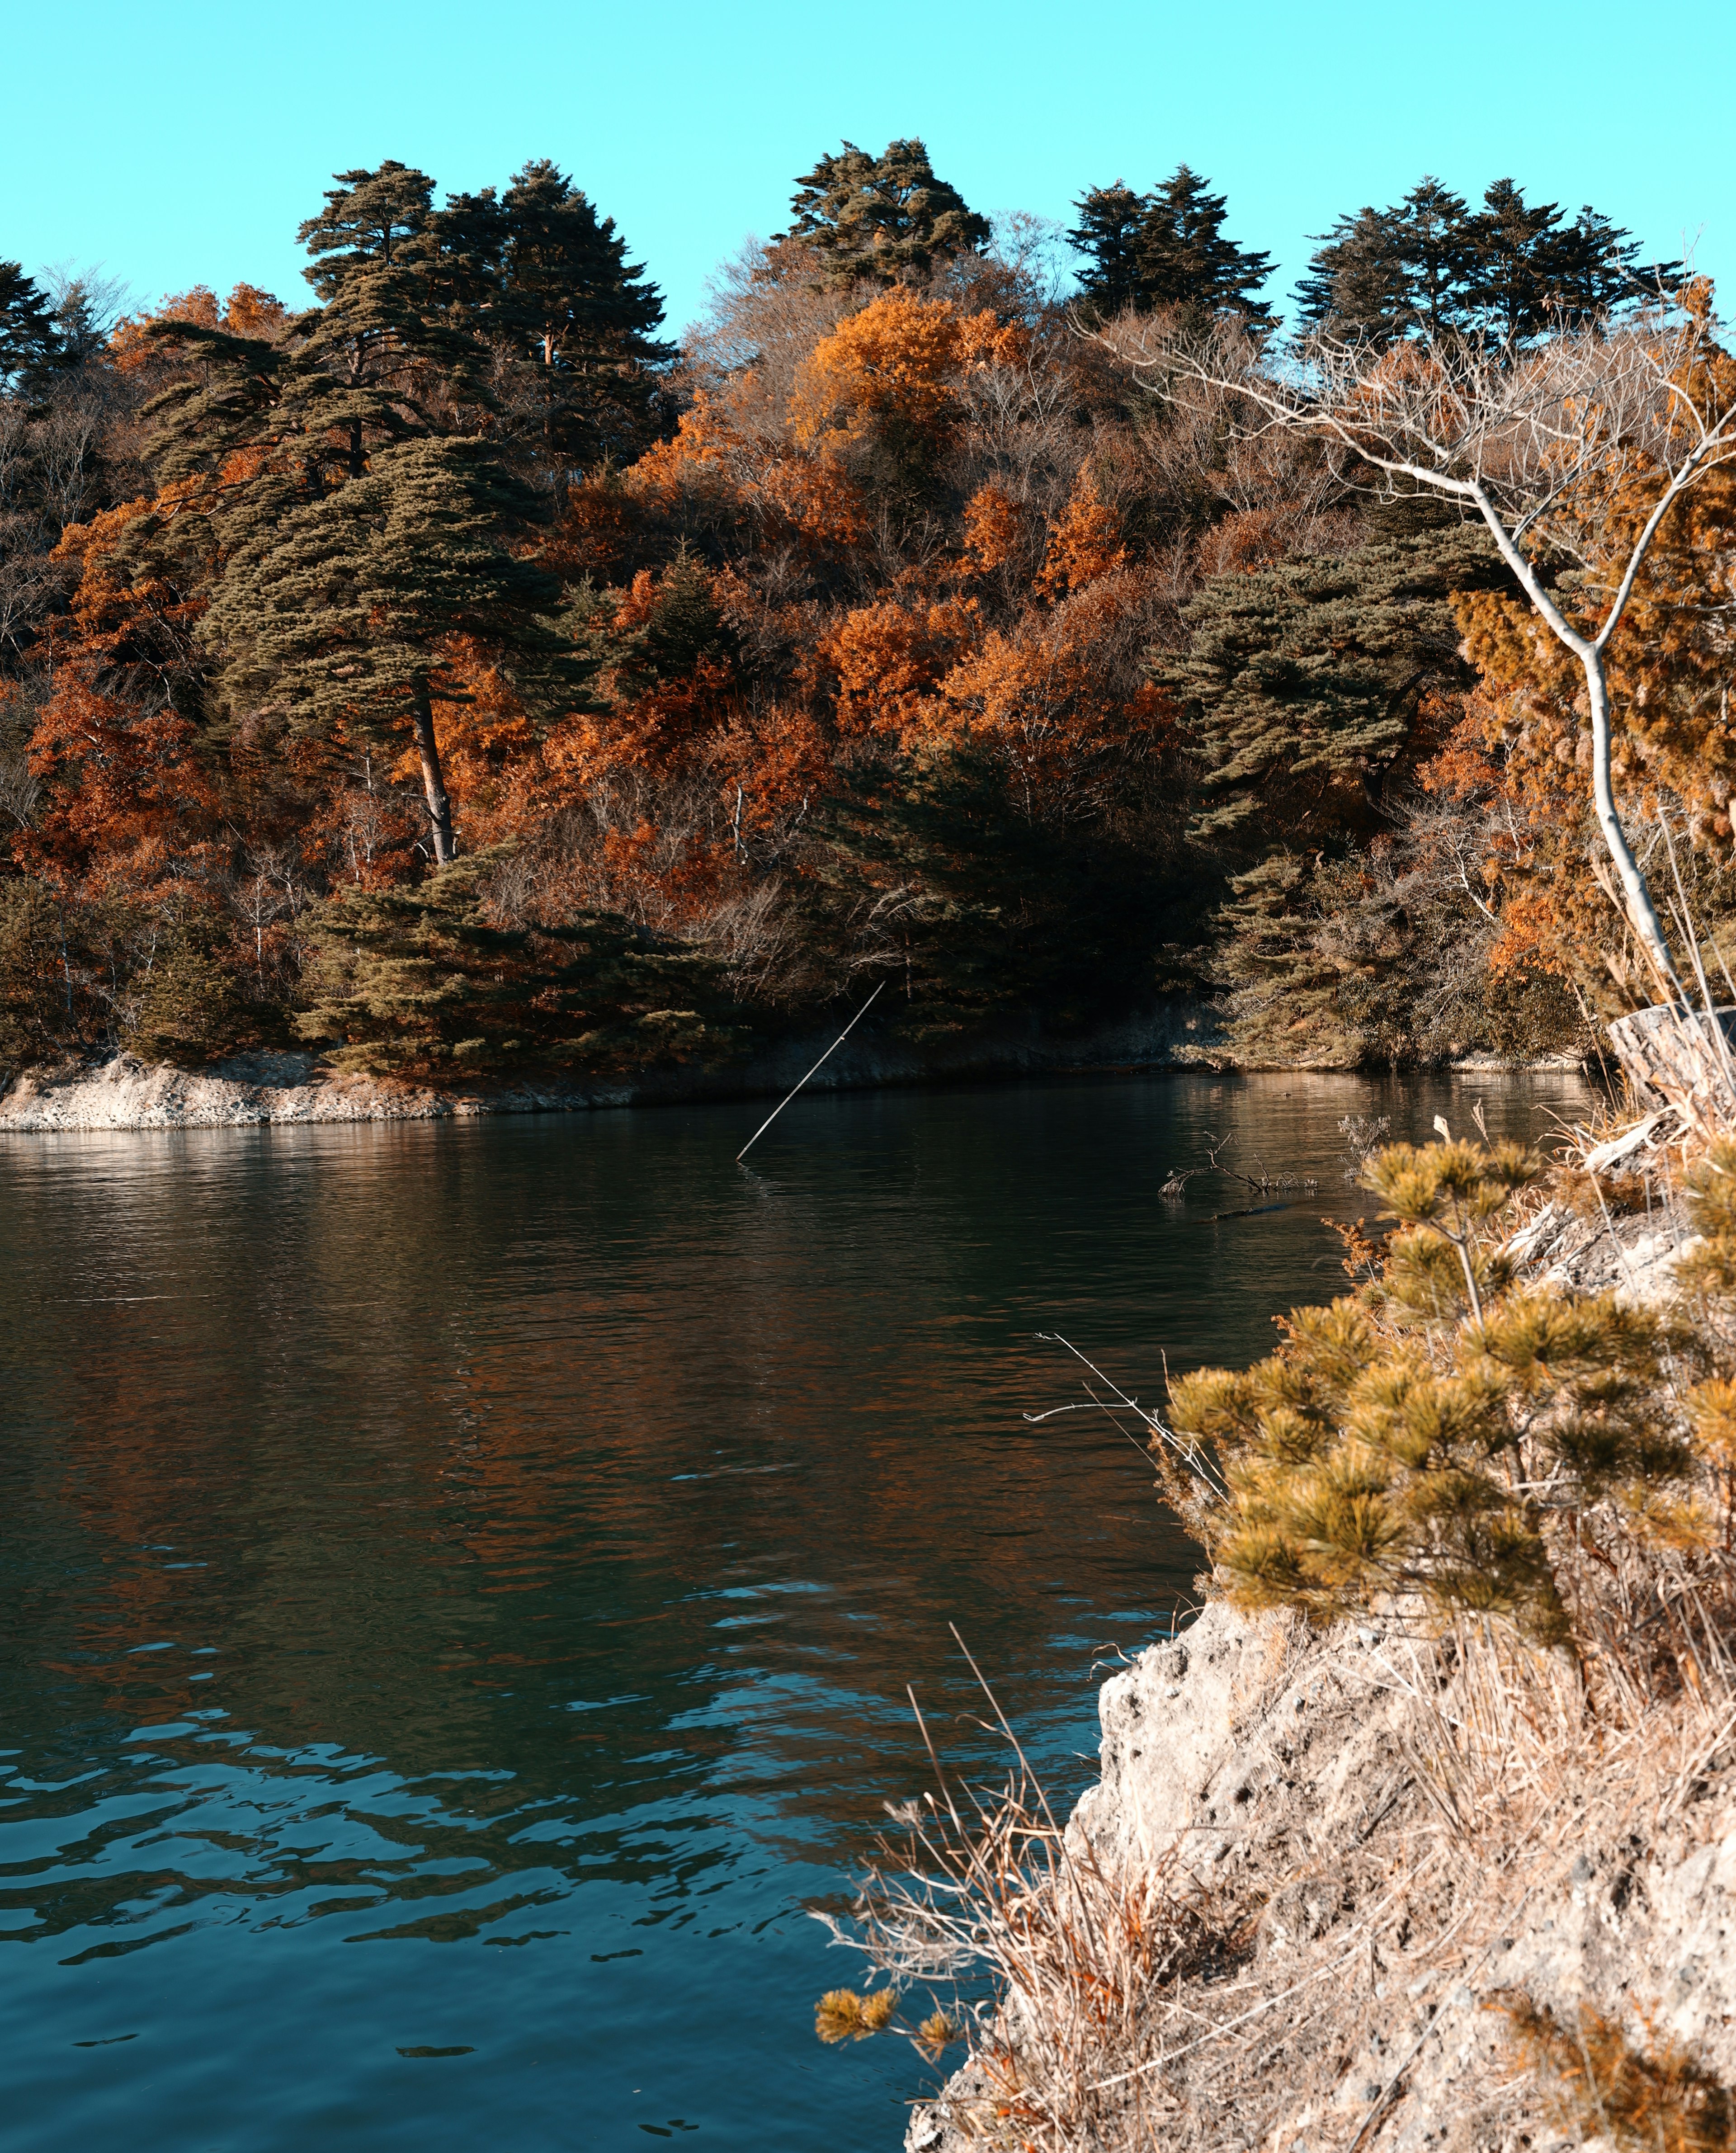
461,1582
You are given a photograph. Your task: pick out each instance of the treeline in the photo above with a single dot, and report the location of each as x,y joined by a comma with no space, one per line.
454,670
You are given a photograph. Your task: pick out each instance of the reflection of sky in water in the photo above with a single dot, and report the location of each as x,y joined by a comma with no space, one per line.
461,1583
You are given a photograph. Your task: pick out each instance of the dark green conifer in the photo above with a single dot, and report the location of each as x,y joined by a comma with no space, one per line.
342,605
1303,681
30,341
429,978
1356,285
382,360
1108,236
1513,247
549,281
1184,258
887,217
1165,249
1438,245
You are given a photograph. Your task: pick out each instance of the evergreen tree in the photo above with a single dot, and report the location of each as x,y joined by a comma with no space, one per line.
1438,245
382,360
341,607
30,341
371,219
1356,283
224,397
427,978
1185,260
1165,249
1514,248
886,217
1432,267
1593,270
568,286
936,877
538,270
1107,235
1303,681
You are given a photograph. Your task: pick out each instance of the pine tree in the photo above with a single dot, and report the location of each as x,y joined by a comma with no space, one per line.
382,360
1184,258
427,978
30,340
1592,270
1438,247
1107,235
1303,681
341,606
1432,267
1513,249
1356,284
1165,249
580,316
371,219
887,217
224,397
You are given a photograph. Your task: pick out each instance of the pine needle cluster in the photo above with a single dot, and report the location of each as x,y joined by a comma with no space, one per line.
1641,2100
1456,1439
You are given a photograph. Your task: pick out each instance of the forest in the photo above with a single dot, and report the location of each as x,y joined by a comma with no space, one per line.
452,670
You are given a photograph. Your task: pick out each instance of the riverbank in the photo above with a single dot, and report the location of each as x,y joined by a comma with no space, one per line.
1422,1881
258,1089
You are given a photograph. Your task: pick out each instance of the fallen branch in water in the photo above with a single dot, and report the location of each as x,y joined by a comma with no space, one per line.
1262,1184
817,1066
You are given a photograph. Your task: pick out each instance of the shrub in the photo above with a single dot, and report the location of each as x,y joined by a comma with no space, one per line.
1451,1436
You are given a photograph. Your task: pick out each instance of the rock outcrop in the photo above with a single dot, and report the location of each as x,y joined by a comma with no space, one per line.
1301,1782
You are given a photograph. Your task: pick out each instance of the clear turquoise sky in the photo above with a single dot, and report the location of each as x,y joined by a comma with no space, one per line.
182,143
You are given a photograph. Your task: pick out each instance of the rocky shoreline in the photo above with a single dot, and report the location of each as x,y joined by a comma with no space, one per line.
1280,1770
289,1089
1422,1858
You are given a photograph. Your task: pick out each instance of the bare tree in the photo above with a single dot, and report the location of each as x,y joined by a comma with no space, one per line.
1547,444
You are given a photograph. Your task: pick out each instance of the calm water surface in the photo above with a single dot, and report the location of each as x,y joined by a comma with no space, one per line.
460,1583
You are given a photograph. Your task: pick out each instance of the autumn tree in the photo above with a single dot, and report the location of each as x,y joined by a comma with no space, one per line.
1542,448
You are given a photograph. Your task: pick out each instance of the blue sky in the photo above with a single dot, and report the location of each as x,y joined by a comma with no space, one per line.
183,143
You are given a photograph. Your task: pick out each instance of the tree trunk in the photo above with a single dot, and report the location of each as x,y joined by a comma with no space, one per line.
1641,913
434,783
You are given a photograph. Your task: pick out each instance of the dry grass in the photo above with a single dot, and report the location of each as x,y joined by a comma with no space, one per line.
1297,1990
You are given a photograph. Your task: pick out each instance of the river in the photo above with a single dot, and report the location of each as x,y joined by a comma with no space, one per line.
460,1581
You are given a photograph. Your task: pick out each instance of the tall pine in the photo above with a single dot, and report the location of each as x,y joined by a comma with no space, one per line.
344,611
888,218
1167,248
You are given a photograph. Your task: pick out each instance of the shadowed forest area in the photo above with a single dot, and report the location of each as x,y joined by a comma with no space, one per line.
455,671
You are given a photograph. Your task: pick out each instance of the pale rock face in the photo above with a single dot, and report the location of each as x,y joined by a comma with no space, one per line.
1249,1749
249,1091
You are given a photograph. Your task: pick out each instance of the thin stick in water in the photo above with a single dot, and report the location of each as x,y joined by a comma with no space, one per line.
817,1066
